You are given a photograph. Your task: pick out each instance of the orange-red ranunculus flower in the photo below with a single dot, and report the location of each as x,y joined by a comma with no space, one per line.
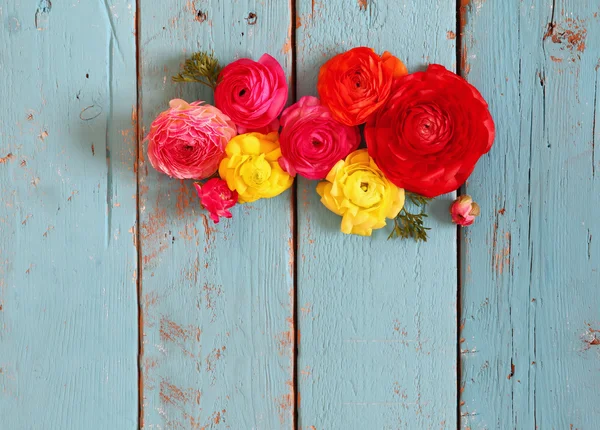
356,83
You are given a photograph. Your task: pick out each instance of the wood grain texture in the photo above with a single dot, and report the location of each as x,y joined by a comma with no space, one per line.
216,299
530,304
68,324
377,320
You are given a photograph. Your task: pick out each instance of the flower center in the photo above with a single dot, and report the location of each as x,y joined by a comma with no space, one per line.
242,92
357,80
362,189
256,171
427,128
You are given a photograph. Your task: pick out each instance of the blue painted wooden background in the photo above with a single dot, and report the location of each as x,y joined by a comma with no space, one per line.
122,306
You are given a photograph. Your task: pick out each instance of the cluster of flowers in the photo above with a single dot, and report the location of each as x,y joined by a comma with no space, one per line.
424,133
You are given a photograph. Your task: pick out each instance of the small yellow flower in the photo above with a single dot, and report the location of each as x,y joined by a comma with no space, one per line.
358,191
251,167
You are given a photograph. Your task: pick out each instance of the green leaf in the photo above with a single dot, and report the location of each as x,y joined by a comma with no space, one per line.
411,224
201,67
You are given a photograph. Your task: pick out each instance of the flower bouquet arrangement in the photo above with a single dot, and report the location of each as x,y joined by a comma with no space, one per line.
424,133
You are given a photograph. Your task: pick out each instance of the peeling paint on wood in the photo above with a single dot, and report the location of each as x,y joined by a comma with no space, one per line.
537,68
376,325
371,355
68,325
216,305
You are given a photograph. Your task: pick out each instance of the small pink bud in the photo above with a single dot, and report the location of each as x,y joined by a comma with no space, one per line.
216,198
464,210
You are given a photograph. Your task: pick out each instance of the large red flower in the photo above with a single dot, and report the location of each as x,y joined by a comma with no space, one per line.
431,132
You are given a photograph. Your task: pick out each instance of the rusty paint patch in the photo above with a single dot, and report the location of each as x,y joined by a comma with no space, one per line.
291,262
155,223
363,4
285,403
306,309
570,35
287,47
462,15
590,337
183,199
465,67
501,257
399,328
306,372
188,232
399,391
149,257
450,35
211,362
211,294
7,158
512,371
171,394
171,332
285,340
48,230
208,232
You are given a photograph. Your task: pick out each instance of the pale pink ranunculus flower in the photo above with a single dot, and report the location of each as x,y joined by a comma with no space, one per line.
312,141
464,210
188,140
252,93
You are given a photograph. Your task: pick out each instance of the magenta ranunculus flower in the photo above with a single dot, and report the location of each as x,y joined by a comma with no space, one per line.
188,140
252,93
216,198
464,210
312,142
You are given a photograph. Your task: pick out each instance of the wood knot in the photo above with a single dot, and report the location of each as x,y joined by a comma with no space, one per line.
201,16
251,18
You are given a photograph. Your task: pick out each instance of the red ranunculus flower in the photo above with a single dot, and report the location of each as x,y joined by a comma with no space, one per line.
252,93
216,198
431,132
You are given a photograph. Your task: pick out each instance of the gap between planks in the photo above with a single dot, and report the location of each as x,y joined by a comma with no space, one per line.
294,204
139,146
461,22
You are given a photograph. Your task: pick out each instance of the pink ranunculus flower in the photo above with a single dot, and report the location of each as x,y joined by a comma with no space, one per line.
252,93
312,141
464,210
188,140
216,198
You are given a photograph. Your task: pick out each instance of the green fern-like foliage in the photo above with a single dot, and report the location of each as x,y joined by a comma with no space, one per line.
201,67
411,223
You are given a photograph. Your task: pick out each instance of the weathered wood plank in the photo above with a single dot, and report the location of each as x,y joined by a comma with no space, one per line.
377,318
68,314
530,266
216,299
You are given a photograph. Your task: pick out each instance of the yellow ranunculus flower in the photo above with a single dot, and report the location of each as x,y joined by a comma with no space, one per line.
357,190
251,167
